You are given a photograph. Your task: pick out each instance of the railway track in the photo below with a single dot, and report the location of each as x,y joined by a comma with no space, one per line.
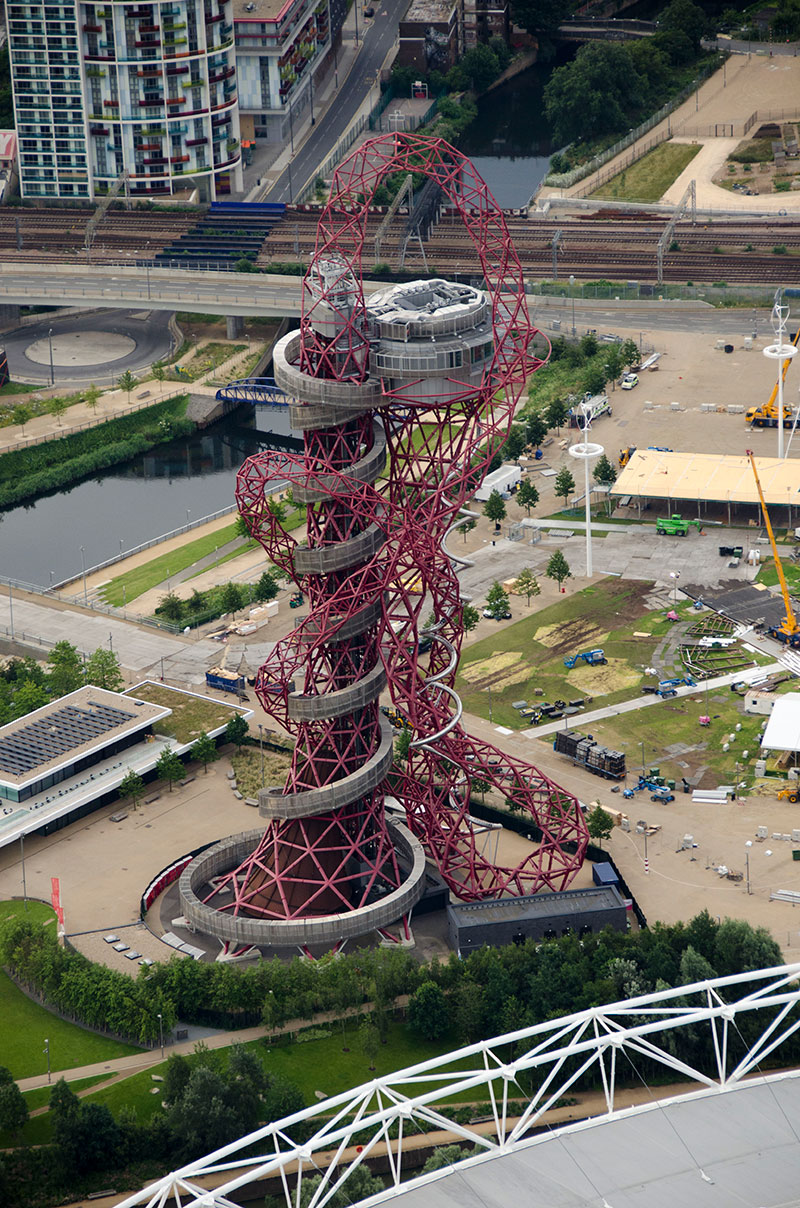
737,252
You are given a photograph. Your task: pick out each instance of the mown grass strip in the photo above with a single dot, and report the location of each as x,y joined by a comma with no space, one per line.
649,178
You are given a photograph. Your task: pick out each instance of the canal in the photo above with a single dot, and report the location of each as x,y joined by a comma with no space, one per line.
157,492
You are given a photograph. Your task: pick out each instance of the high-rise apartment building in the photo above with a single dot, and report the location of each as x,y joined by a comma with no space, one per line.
280,46
102,89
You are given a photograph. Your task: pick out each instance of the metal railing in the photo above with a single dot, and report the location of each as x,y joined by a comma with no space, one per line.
46,437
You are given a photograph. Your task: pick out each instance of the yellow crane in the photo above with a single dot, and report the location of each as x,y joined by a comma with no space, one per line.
789,631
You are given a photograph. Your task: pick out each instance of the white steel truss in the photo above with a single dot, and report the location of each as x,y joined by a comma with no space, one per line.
378,1117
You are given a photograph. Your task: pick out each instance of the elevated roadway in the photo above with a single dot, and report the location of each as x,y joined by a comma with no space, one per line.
127,287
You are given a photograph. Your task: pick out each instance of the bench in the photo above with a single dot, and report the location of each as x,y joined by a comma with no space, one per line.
152,798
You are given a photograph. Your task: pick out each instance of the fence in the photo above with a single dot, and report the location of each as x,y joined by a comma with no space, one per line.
631,291
618,166
28,441
566,180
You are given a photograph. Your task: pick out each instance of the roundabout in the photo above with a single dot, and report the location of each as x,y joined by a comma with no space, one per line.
81,348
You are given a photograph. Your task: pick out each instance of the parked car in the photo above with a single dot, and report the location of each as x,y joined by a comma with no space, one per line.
629,381
496,616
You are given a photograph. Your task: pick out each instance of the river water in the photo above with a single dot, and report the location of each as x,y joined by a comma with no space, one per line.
510,141
159,491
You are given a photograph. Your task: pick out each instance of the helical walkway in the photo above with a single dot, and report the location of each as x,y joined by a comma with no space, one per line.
384,476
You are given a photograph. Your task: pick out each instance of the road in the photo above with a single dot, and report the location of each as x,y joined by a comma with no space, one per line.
125,286
81,346
380,34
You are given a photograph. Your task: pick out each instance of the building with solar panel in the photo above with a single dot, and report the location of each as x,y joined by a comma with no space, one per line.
68,737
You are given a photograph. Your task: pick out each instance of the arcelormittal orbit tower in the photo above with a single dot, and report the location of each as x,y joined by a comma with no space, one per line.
403,396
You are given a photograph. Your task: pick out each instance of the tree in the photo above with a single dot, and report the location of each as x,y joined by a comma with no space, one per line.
475,70
442,1156
402,746
66,669
21,413
29,696
556,413
495,509
13,1108
204,749
588,344
237,730
527,584
599,824
103,670
231,598
685,17
630,353
497,601
596,377
527,495
428,1012
469,617
541,17
266,588
176,1078
613,362
240,528
468,1011
564,484
515,442
170,606
536,429
596,94
159,373
277,509
91,397
169,767
126,381
131,786
604,471
558,568
370,1040
467,526
57,408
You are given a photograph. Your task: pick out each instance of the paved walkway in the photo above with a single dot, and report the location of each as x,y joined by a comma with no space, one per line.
747,83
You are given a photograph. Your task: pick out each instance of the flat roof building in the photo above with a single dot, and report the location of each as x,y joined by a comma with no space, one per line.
539,916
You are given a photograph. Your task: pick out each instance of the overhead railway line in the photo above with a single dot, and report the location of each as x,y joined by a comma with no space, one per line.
618,246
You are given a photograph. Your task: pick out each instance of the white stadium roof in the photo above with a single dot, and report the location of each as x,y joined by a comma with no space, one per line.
735,1143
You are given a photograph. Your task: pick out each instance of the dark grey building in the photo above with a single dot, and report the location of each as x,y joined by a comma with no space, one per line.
540,916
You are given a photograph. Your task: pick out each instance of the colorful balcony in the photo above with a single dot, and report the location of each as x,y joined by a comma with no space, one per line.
99,131
196,142
92,29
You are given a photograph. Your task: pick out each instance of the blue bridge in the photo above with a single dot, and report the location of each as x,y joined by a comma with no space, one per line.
261,392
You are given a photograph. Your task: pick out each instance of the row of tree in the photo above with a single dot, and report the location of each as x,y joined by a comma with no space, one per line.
26,685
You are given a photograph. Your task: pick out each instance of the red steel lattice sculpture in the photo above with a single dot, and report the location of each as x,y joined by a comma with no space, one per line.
382,487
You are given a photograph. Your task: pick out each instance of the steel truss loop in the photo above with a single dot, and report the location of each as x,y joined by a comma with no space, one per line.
385,470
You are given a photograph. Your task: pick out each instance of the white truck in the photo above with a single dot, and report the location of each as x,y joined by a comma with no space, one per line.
595,404
505,479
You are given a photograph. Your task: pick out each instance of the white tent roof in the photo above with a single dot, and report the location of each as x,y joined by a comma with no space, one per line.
710,477
783,728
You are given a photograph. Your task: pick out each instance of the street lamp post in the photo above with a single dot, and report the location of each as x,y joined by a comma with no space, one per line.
188,514
52,369
24,886
11,610
83,568
641,744
161,1033
572,296
675,575
646,861
46,1051
261,746
747,847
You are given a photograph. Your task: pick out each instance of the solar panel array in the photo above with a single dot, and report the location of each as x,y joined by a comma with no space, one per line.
54,735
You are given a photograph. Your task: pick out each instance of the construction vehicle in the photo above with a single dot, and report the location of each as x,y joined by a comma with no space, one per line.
669,687
625,455
790,793
594,658
788,631
768,415
676,526
658,790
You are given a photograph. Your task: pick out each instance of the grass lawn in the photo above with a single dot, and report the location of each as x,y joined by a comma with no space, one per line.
530,654
191,715
38,1130
246,763
25,1024
142,578
768,574
650,177
207,359
676,721
316,1065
